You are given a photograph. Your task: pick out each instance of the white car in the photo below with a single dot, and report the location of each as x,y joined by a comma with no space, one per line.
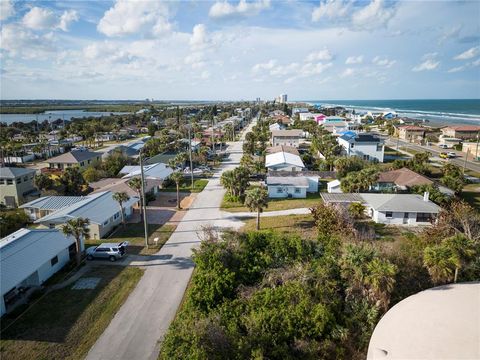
451,155
195,171
443,146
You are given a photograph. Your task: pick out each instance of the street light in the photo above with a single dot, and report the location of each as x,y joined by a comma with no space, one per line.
190,152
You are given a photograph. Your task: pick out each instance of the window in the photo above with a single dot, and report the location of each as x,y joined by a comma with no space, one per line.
279,190
105,223
388,214
9,181
297,191
424,217
25,178
379,147
352,145
54,260
2,181
116,216
19,180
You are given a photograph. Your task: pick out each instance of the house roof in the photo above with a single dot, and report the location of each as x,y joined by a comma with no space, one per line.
400,203
13,172
121,185
438,323
287,181
157,171
287,133
335,182
74,157
52,202
24,251
307,173
473,128
403,177
280,148
412,128
97,207
283,157
362,137
341,198
161,158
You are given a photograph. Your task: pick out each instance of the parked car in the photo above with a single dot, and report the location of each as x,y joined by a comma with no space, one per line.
110,251
443,146
444,155
451,155
196,171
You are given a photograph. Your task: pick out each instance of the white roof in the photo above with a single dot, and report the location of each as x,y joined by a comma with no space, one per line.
334,183
283,157
153,171
24,251
438,323
52,202
400,203
296,181
97,207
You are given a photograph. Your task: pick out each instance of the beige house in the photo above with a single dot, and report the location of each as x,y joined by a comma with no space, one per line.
16,186
411,133
79,158
286,137
464,132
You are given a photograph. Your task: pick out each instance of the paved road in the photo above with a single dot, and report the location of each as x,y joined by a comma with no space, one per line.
460,160
136,329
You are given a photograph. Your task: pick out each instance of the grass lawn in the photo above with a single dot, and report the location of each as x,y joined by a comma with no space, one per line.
410,150
185,186
275,204
471,194
134,234
301,225
65,323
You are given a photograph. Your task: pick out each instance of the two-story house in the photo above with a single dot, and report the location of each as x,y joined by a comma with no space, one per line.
366,146
286,137
16,185
411,133
464,132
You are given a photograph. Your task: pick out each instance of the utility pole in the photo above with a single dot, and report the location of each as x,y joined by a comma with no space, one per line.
190,146
476,148
465,162
143,199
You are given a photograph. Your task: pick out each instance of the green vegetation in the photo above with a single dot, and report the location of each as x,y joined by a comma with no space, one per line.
471,194
65,323
185,185
301,225
134,234
11,220
231,204
276,295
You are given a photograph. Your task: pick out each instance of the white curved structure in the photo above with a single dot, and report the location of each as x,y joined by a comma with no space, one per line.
438,323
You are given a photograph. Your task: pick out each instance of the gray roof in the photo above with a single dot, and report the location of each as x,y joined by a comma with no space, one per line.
96,207
13,172
287,133
52,202
24,251
287,181
308,173
74,157
341,198
400,203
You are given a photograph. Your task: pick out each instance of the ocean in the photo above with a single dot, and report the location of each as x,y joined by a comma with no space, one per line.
437,112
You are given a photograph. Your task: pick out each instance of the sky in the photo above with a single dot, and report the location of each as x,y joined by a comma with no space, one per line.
239,50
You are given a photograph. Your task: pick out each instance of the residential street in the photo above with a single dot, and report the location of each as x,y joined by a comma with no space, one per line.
142,321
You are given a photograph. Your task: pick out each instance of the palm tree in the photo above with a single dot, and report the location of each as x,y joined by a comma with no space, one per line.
440,262
177,176
381,279
136,184
256,200
78,228
121,197
228,181
463,249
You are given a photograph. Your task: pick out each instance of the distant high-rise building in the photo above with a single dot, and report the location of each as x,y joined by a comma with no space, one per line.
283,98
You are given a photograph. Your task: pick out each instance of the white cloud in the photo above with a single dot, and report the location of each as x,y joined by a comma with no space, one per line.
6,9
67,17
347,72
384,62
427,65
331,9
19,41
40,19
205,75
476,62
470,53
264,66
373,15
450,33
456,69
223,9
354,60
199,38
130,17
322,55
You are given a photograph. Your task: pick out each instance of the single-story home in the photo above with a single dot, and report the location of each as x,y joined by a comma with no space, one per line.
45,205
28,258
287,187
79,158
158,171
282,148
100,208
391,209
121,185
334,186
275,127
400,179
283,160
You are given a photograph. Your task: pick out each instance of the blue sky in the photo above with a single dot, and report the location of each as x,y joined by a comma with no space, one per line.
219,50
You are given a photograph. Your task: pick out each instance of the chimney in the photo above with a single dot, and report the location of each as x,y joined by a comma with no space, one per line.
426,196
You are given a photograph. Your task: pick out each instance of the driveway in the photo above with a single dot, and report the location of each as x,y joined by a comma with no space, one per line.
140,325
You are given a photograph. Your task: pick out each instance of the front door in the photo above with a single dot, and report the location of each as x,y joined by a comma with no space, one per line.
405,218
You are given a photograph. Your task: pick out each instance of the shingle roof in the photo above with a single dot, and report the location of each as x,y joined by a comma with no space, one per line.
287,180
52,202
280,148
403,177
74,157
96,207
464,127
287,133
13,172
341,198
283,158
24,251
121,185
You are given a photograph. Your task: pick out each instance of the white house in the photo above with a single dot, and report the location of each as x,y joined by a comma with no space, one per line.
158,171
283,161
276,127
334,187
28,258
308,116
287,187
46,205
391,209
366,146
100,208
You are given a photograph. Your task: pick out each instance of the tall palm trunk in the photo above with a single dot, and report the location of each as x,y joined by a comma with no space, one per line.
122,214
178,196
78,255
456,275
258,219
